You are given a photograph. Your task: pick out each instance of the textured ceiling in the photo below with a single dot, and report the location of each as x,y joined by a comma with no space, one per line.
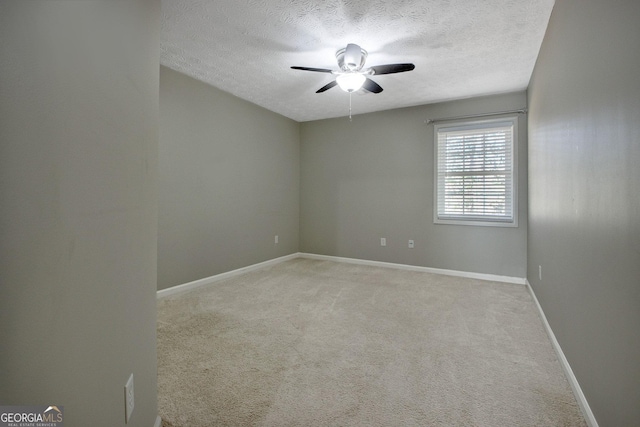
461,49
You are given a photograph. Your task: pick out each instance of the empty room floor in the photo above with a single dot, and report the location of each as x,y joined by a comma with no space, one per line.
322,343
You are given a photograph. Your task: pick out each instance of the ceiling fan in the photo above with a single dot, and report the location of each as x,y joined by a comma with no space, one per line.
351,76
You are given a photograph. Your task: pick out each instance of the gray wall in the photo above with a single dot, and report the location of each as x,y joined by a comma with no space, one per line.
584,219
232,175
229,175
78,144
374,177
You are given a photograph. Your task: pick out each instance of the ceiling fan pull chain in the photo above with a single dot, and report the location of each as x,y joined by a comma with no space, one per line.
350,107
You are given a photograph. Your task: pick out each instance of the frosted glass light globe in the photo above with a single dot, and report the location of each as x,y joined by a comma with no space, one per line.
350,82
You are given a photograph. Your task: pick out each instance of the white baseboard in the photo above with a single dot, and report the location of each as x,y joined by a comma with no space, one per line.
158,422
212,279
573,381
469,275
208,280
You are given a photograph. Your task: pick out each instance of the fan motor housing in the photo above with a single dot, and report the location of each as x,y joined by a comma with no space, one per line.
354,64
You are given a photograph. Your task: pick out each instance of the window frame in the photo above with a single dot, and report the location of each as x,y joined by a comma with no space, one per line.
474,220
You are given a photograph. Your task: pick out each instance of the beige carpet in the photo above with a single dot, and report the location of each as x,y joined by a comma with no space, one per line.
319,343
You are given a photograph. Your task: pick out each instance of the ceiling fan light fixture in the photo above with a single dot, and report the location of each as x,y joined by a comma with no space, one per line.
351,76
350,82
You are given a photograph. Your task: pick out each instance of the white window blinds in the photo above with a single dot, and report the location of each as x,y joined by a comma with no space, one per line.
475,172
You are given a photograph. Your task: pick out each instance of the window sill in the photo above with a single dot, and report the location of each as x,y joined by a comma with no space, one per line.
478,223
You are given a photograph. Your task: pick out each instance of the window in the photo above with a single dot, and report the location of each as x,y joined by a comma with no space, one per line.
476,173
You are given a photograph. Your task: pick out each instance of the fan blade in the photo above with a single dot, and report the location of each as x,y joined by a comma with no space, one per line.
317,70
392,68
372,86
327,86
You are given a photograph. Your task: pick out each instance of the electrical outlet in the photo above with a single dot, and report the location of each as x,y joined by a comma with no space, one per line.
383,241
129,402
540,272
411,244
276,239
